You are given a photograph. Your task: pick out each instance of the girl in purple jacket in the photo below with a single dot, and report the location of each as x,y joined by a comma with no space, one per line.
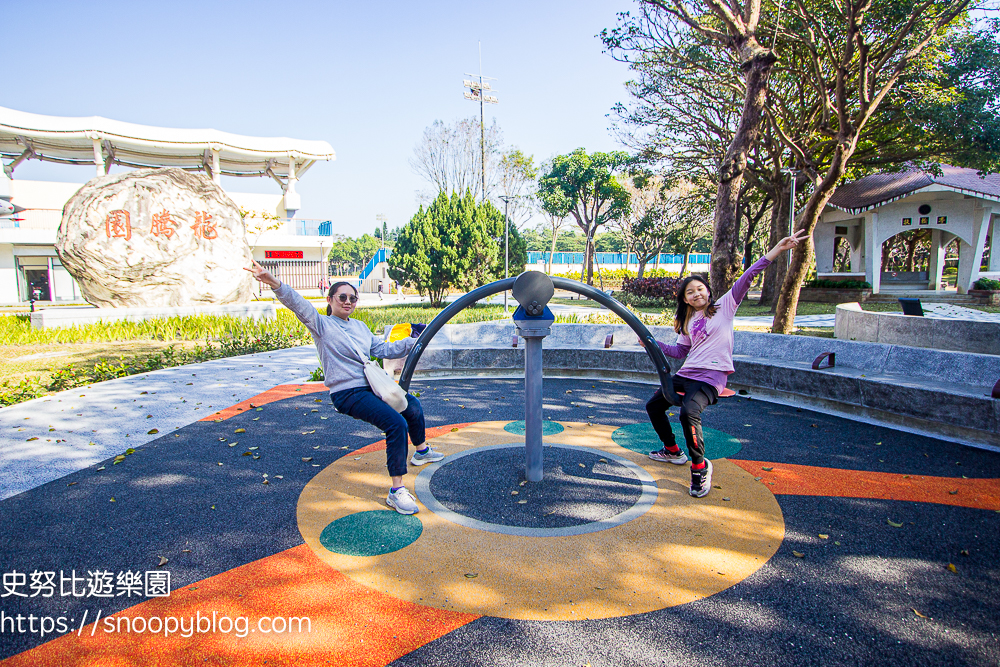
705,338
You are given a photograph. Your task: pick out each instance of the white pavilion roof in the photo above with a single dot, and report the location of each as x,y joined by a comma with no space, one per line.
80,140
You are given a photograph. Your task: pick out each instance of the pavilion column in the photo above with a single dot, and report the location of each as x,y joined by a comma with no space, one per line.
854,238
872,252
825,246
292,199
935,263
995,243
98,157
970,255
216,172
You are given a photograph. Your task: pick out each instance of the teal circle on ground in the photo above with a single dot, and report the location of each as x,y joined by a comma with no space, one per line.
642,438
548,428
371,533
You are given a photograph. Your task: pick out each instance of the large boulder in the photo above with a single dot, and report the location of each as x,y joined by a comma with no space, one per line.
155,237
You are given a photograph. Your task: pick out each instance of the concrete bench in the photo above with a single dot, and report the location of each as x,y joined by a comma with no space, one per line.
938,391
944,391
855,324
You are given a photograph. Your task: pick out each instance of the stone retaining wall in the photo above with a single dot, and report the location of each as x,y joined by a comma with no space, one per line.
855,324
942,392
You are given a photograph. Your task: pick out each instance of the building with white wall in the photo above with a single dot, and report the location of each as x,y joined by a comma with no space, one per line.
955,204
29,266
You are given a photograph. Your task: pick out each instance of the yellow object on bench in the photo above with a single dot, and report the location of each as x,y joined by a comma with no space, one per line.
399,332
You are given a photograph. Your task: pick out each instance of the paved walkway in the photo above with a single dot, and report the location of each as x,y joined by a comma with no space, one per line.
823,541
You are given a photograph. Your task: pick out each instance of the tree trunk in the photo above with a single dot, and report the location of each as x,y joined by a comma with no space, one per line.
887,247
802,255
725,242
552,253
642,269
687,255
588,259
748,241
774,274
911,248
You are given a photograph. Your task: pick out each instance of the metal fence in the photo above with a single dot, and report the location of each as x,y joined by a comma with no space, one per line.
307,227
605,258
296,273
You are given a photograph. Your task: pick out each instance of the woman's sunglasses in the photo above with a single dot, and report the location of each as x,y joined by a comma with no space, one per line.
344,297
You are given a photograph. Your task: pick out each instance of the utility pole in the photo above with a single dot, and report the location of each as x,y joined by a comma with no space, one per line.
380,218
793,174
476,92
506,245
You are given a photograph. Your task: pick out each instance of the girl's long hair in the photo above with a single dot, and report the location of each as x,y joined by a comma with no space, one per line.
333,290
684,311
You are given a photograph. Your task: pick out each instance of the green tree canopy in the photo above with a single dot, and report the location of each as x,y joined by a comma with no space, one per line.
585,187
454,243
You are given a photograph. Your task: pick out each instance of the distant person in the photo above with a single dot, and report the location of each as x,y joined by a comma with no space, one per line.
705,341
323,285
380,290
337,339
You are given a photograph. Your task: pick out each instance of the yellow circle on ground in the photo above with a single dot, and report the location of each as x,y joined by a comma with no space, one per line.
683,549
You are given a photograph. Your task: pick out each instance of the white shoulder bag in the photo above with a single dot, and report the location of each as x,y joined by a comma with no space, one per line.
381,383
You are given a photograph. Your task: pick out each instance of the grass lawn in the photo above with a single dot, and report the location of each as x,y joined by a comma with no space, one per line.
44,361
20,361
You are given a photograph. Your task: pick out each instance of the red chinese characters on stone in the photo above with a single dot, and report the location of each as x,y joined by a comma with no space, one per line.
161,225
118,224
203,226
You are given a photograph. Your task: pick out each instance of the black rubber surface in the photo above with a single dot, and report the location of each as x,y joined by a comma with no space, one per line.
851,604
578,488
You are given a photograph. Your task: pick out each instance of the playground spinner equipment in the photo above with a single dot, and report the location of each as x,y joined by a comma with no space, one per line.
533,319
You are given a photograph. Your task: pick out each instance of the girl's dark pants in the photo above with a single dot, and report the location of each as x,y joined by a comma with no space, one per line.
362,403
697,396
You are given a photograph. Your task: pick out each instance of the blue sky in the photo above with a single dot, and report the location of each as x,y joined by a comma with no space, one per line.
365,77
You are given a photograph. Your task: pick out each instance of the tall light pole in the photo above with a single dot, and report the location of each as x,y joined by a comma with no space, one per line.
380,218
506,245
477,93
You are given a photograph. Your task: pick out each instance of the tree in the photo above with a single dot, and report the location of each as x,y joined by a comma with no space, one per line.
556,222
644,229
943,108
610,241
731,26
518,182
585,187
691,223
342,253
517,245
449,156
857,55
452,244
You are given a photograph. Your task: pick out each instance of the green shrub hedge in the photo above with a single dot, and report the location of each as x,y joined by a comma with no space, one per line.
839,284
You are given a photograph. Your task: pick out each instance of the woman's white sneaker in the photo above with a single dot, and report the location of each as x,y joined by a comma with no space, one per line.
402,501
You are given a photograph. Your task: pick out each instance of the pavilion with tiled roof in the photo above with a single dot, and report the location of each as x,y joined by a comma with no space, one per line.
956,203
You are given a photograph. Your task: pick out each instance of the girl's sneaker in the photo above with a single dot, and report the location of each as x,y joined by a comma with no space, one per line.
402,501
701,480
665,456
430,456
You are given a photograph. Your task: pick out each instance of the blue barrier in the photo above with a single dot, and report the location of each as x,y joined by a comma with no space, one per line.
380,256
618,258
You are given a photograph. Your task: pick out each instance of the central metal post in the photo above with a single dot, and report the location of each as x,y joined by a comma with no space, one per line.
533,408
533,319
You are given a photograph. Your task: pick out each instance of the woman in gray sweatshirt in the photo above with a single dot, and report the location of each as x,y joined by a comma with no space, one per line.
338,339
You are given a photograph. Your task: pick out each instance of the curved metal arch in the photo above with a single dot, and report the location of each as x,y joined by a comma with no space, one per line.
652,349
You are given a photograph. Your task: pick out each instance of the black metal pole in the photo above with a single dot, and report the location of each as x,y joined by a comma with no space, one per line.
652,349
